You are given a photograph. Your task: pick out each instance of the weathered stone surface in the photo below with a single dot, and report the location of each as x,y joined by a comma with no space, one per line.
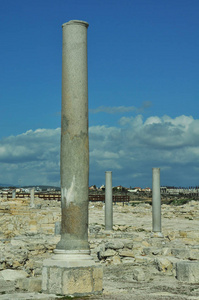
188,271
140,275
77,281
128,244
163,264
97,279
194,254
6,286
107,253
180,253
128,260
70,281
13,275
151,251
127,253
116,260
33,284
113,244
143,259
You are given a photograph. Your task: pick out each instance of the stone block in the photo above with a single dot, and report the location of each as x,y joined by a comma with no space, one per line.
128,245
97,279
143,259
127,253
13,275
140,275
44,278
6,286
163,264
77,281
188,271
29,284
180,253
194,254
59,277
128,260
114,245
55,280
115,260
107,253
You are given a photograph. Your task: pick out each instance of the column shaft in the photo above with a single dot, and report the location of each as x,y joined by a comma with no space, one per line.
13,194
74,138
32,197
108,202
156,201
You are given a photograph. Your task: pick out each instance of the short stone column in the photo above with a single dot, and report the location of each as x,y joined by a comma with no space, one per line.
32,198
72,271
108,202
156,201
13,194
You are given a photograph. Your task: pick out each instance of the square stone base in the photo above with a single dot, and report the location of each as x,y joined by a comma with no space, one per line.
59,278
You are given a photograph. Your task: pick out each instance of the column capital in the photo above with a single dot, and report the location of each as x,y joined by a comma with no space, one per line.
76,22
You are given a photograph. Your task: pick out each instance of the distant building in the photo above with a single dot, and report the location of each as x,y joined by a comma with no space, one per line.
147,189
50,189
119,188
92,188
102,187
135,190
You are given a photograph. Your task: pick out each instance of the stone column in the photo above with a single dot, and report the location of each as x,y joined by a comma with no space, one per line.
74,139
108,202
13,194
156,201
72,270
32,197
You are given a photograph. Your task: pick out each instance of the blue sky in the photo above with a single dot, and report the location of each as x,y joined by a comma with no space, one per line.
143,72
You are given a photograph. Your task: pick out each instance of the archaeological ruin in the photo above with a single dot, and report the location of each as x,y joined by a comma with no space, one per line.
73,248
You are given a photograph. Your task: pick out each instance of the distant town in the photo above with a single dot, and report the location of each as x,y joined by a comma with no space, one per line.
170,190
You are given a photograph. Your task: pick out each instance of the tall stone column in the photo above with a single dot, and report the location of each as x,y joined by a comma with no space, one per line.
74,138
108,202
156,201
72,270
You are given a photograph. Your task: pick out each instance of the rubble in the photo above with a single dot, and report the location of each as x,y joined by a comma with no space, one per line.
28,236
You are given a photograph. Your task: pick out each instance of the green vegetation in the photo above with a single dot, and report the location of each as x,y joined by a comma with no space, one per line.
178,202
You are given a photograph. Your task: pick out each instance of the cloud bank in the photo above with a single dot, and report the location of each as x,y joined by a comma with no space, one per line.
130,151
31,158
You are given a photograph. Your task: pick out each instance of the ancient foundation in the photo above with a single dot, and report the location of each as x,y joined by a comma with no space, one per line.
72,271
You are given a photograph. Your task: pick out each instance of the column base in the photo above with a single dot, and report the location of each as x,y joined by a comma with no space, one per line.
71,273
157,234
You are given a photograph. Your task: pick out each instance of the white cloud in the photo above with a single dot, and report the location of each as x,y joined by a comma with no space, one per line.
170,143
31,157
130,151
